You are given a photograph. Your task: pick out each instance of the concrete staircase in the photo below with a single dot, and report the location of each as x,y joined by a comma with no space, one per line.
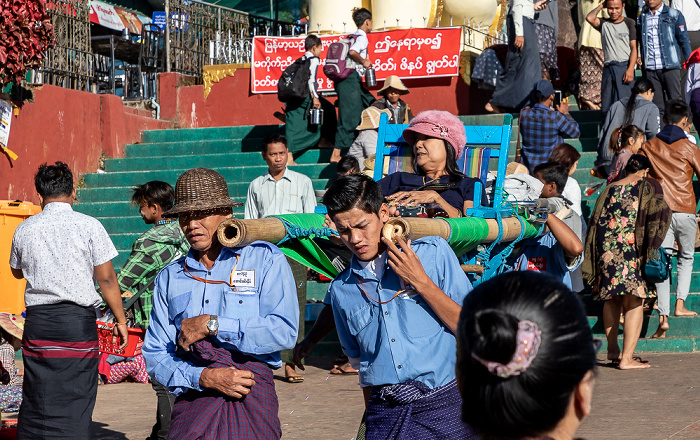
235,153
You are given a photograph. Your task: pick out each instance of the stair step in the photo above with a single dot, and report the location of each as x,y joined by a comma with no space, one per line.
118,208
666,345
211,133
184,147
230,173
595,308
679,326
213,160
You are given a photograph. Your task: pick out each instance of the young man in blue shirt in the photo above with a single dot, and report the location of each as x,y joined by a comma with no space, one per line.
396,309
220,318
559,251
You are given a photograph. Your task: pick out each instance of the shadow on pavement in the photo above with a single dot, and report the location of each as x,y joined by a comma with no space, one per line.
100,432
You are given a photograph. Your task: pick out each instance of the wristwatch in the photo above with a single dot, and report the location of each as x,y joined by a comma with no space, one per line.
213,325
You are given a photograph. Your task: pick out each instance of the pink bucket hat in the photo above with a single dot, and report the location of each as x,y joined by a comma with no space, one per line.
438,124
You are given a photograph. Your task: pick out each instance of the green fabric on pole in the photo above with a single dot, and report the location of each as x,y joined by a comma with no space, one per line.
304,249
469,232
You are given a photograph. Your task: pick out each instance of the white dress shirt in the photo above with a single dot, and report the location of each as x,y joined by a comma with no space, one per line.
292,194
360,46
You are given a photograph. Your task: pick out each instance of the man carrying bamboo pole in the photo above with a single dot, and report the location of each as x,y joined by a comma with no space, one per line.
396,310
220,318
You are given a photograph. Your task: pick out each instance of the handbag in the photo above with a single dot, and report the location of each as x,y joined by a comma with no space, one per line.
658,267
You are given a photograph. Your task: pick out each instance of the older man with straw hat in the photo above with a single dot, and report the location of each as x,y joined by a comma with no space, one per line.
220,318
390,99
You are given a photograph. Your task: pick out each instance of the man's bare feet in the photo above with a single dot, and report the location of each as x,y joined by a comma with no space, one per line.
614,356
632,364
681,310
663,327
290,374
335,157
290,160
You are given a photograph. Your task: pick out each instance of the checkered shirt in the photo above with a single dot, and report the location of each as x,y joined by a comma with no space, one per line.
7,362
653,49
542,129
151,252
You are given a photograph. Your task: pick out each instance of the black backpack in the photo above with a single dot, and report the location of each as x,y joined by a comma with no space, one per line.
293,84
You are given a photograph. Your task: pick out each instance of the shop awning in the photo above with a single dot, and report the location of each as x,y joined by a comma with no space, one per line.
114,17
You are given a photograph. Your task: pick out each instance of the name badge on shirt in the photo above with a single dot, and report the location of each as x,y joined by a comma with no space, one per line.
243,278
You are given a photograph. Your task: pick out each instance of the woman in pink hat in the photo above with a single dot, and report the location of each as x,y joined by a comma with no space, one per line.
438,140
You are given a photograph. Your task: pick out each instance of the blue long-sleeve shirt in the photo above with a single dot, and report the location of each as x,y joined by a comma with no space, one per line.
403,339
259,318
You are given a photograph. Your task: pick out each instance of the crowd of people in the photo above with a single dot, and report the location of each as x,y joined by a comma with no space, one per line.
512,358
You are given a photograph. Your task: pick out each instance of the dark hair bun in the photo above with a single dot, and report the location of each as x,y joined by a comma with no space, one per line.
494,335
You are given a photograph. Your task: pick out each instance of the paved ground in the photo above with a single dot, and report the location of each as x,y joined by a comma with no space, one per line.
662,402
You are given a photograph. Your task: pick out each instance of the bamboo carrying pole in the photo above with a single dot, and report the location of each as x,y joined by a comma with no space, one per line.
237,233
414,227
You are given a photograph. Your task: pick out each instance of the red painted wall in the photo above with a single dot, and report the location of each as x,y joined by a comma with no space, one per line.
231,103
69,126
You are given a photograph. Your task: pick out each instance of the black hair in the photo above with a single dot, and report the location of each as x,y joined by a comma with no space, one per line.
552,172
346,164
273,139
637,162
642,85
353,191
450,164
533,403
359,16
311,41
675,110
565,155
53,180
538,96
154,192
620,137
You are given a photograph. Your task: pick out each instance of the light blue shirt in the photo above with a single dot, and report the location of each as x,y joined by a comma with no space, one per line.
259,319
403,339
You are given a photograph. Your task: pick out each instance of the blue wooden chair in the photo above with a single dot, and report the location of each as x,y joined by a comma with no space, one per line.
487,148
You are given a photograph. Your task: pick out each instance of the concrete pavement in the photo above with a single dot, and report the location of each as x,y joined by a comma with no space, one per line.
662,402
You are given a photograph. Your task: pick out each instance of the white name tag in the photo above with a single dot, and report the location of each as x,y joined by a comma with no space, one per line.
243,278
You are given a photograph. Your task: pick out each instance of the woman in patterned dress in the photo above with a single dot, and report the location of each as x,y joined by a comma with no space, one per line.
629,221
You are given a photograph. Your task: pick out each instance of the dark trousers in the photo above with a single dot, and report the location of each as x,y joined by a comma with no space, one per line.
667,86
353,98
166,400
299,271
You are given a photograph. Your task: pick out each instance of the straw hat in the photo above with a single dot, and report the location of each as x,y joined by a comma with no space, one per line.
394,82
12,324
370,118
200,189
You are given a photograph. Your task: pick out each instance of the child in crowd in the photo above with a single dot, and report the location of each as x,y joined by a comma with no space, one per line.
300,133
558,252
11,377
352,96
365,145
347,165
624,142
619,37
391,99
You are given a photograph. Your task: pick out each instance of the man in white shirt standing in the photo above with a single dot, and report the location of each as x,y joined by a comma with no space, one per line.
61,253
282,191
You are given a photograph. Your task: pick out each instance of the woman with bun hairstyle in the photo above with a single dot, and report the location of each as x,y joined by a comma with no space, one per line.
626,228
525,358
624,142
638,110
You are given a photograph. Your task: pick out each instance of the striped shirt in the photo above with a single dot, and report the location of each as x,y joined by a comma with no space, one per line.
292,194
653,49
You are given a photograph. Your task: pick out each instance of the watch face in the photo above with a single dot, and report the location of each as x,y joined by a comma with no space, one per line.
213,325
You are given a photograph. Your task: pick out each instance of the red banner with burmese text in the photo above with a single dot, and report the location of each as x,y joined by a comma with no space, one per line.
407,53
